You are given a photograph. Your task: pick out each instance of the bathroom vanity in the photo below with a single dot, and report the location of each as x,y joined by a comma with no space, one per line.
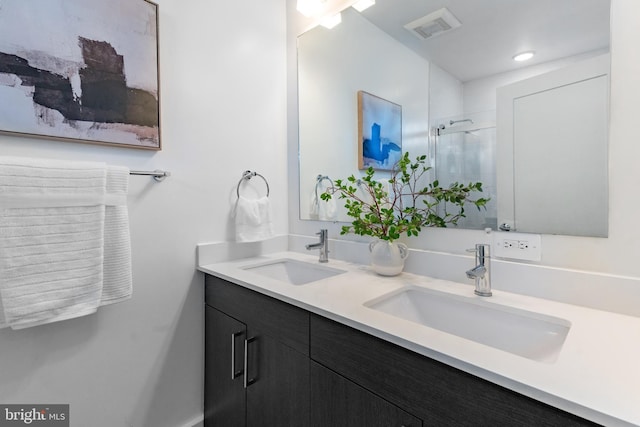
319,353
303,369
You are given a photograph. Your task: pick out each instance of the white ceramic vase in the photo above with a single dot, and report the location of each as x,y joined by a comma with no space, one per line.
387,258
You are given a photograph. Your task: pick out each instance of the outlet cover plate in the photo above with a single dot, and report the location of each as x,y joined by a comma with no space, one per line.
520,246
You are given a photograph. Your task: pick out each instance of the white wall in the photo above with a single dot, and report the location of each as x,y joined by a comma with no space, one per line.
223,94
446,95
618,253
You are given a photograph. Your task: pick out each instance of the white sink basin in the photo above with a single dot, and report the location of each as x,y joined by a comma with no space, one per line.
525,333
293,271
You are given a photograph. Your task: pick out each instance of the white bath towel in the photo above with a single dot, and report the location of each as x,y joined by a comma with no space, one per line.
253,219
51,240
117,284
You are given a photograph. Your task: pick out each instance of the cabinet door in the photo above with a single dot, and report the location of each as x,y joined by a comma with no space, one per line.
278,393
338,402
266,315
224,393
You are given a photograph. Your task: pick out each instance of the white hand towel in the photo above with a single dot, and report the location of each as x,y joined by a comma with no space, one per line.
253,219
51,240
117,284
320,209
314,206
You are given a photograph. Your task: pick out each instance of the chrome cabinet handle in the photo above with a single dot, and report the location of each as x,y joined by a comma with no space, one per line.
248,381
234,373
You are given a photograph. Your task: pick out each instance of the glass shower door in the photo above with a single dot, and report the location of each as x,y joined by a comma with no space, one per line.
466,153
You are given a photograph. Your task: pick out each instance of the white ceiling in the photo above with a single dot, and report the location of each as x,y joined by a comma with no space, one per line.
493,31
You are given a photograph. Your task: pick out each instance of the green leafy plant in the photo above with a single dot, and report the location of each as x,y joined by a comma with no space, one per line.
406,207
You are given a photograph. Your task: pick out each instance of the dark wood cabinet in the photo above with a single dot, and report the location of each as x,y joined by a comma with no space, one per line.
269,363
225,403
437,393
338,402
280,394
255,372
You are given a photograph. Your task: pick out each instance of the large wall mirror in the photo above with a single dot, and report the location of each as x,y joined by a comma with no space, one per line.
449,65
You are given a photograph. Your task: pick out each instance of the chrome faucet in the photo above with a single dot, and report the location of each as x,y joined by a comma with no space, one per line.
481,272
323,245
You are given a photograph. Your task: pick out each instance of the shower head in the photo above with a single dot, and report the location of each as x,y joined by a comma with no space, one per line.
452,122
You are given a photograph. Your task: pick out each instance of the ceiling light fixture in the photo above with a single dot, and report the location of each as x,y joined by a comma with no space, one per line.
327,12
331,21
524,56
361,5
310,8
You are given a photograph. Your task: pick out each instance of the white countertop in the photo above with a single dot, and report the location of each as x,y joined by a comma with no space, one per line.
596,375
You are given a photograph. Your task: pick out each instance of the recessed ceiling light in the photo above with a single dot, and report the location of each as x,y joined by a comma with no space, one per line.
524,56
361,5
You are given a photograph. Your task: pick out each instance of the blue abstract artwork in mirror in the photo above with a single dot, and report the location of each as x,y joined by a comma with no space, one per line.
379,132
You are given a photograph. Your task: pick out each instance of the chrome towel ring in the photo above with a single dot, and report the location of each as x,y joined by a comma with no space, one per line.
247,175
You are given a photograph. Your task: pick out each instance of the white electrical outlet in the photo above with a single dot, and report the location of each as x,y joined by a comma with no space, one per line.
522,246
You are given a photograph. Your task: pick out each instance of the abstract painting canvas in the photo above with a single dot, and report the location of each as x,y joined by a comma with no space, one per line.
379,132
81,70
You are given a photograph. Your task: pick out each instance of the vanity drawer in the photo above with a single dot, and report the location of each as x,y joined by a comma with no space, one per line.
439,394
265,315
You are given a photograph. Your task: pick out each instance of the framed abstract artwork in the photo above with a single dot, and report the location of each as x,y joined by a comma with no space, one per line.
379,132
81,70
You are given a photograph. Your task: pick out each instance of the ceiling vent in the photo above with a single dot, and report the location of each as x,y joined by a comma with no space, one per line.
433,24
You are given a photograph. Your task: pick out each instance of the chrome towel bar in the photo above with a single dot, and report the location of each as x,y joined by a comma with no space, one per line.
158,175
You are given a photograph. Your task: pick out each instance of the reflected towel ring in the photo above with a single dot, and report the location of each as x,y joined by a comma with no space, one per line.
247,175
319,180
